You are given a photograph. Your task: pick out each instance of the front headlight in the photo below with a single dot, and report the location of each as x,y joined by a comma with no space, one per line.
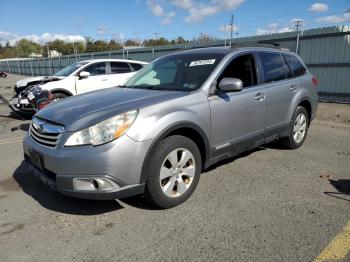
103,132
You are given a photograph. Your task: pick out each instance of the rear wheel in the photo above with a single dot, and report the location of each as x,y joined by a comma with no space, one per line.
298,129
173,171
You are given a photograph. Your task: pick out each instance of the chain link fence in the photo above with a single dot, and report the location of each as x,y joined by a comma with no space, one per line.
326,51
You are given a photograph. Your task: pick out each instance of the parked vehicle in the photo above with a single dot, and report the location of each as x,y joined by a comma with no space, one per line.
78,78
3,74
179,115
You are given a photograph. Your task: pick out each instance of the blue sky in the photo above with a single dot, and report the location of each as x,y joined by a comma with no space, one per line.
139,19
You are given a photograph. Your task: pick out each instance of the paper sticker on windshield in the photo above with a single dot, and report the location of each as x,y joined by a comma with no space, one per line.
202,62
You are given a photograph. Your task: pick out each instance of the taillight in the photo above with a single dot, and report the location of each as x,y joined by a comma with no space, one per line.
314,81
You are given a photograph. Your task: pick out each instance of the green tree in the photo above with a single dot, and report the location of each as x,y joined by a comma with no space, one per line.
26,47
9,53
100,45
131,42
113,45
181,40
89,44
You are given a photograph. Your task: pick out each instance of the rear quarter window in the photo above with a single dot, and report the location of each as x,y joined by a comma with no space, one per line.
136,67
295,65
274,68
119,68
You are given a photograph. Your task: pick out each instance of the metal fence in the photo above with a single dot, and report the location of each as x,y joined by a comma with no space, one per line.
326,51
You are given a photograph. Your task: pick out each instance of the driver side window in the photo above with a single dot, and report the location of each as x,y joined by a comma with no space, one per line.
243,68
96,69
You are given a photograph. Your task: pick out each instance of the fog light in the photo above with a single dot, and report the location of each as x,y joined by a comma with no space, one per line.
94,184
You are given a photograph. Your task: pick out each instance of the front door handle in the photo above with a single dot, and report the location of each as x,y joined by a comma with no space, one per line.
104,79
293,88
259,97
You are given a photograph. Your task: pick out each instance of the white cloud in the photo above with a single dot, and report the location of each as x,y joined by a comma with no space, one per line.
155,8
199,10
101,30
294,20
335,19
171,14
318,8
166,21
7,36
273,28
119,37
158,10
12,38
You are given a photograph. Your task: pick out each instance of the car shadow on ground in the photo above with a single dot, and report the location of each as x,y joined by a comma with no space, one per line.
23,127
14,116
343,188
54,201
64,204
139,202
241,155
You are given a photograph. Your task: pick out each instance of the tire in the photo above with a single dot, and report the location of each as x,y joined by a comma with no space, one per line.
26,115
58,96
297,137
180,178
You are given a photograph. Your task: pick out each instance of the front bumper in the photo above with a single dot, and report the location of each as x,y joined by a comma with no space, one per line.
119,161
22,105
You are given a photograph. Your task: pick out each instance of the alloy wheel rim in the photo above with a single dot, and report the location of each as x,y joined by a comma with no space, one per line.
177,172
299,129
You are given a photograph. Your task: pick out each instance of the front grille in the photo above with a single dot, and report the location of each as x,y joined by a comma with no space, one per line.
45,133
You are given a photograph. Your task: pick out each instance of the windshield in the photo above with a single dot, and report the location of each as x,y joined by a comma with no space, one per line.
70,69
184,72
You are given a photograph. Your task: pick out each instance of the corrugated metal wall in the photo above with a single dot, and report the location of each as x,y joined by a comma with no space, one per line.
326,51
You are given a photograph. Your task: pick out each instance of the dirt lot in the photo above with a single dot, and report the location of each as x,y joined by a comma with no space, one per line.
266,205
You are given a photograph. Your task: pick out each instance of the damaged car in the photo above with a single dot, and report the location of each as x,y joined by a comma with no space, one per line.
78,78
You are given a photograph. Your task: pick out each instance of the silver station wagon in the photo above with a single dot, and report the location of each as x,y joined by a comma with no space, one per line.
172,119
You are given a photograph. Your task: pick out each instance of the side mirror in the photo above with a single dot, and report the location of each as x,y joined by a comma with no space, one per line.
84,74
229,84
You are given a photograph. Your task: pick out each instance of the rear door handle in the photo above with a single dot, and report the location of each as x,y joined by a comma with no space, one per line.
293,88
259,97
104,79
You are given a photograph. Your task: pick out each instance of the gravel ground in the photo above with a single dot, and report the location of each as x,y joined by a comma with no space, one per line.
266,205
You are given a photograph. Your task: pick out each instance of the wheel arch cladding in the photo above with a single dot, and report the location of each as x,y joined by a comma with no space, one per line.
307,105
185,129
62,91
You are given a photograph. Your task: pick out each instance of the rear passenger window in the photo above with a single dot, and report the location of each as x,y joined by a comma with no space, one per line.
136,67
120,67
294,63
96,69
273,67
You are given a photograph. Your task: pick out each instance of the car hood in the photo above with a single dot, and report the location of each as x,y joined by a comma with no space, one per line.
25,81
81,111
37,79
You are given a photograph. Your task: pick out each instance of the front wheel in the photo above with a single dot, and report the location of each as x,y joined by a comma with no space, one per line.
58,96
298,129
173,171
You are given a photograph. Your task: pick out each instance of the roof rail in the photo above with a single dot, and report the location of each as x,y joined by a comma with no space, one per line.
189,48
257,44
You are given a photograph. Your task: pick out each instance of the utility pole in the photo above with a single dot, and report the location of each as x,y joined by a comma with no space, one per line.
201,40
225,33
298,24
155,38
231,29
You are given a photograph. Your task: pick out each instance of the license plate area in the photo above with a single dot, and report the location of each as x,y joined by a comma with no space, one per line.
35,158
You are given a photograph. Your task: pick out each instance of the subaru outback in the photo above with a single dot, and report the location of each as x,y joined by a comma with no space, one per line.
172,119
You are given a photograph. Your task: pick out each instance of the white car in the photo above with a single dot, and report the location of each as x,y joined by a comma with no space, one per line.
79,78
